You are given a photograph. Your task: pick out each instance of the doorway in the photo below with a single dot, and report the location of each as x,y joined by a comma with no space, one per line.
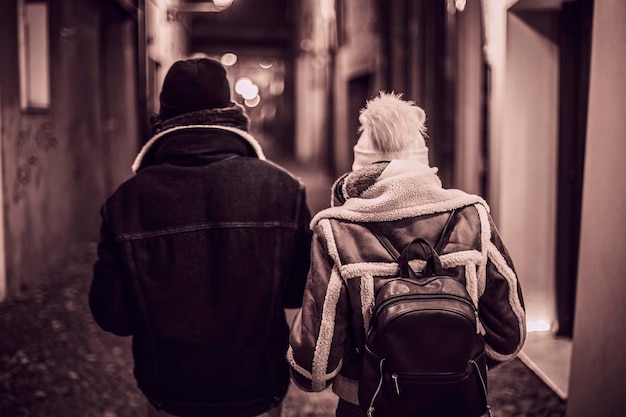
542,153
575,59
548,56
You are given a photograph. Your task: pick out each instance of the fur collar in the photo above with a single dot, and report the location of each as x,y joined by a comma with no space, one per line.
245,135
232,119
233,116
393,191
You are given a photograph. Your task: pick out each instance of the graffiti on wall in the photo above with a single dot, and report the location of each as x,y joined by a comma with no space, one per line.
33,142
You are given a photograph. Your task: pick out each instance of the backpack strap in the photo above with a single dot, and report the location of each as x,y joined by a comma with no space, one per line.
395,255
384,241
439,244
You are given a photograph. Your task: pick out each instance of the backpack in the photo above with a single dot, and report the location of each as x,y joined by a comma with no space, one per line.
424,354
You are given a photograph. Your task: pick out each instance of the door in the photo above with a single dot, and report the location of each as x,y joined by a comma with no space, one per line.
575,47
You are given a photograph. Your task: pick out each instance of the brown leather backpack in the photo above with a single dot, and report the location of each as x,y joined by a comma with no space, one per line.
424,354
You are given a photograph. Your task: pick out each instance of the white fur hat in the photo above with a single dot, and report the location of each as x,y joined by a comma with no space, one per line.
391,128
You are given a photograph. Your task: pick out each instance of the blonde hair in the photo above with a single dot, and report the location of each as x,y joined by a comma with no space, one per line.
392,123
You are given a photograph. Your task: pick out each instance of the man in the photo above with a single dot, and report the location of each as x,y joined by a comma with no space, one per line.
393,185
200,252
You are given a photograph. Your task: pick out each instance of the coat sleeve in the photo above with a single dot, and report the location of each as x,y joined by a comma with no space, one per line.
301,256
502,311
108,296
319,330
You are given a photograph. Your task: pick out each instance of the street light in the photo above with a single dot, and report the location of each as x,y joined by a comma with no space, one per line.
223,3
214,6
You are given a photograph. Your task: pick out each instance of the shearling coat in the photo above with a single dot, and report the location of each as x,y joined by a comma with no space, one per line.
200,253
347,261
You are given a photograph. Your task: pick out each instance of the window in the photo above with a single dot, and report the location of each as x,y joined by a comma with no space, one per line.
33,55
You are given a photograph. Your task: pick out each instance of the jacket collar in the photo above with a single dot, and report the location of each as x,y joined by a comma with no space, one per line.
159,137
392,191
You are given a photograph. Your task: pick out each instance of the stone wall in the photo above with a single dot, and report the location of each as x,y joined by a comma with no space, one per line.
60,162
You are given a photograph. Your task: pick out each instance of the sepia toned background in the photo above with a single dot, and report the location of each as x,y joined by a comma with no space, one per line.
524,102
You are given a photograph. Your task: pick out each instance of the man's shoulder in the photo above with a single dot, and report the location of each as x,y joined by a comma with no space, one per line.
274,168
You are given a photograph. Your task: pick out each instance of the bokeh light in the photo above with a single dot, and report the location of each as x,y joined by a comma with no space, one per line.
246,88
252,102
222,3
228,59
266,63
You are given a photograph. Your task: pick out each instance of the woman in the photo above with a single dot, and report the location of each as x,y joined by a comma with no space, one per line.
393,185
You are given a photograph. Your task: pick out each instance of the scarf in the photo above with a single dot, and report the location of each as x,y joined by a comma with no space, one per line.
232,119
389,191
233,116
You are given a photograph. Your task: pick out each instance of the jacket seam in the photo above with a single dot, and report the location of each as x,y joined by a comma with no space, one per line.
202,226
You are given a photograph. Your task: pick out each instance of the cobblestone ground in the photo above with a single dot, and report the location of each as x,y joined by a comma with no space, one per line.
56,362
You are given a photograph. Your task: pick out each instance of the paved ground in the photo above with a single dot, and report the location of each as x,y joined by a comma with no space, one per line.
56,362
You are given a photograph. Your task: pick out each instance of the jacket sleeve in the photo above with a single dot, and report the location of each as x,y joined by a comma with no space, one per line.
502,311
301,255
318,332
108,297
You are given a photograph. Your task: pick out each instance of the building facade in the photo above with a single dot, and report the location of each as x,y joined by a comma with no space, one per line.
73,112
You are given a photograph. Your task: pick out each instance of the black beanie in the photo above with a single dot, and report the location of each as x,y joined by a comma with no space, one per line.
192,85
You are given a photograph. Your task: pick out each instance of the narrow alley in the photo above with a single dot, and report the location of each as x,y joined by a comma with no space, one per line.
524,107
55,361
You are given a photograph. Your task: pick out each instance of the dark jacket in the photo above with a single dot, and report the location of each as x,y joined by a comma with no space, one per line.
347,261
200,252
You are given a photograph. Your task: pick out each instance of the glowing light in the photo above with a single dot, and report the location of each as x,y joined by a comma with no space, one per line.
538,326
250,92
241,84
460,4
266,63
253,102
228,59
246,88
222,3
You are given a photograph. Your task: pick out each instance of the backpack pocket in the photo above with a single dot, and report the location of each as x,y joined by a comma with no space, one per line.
455,394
